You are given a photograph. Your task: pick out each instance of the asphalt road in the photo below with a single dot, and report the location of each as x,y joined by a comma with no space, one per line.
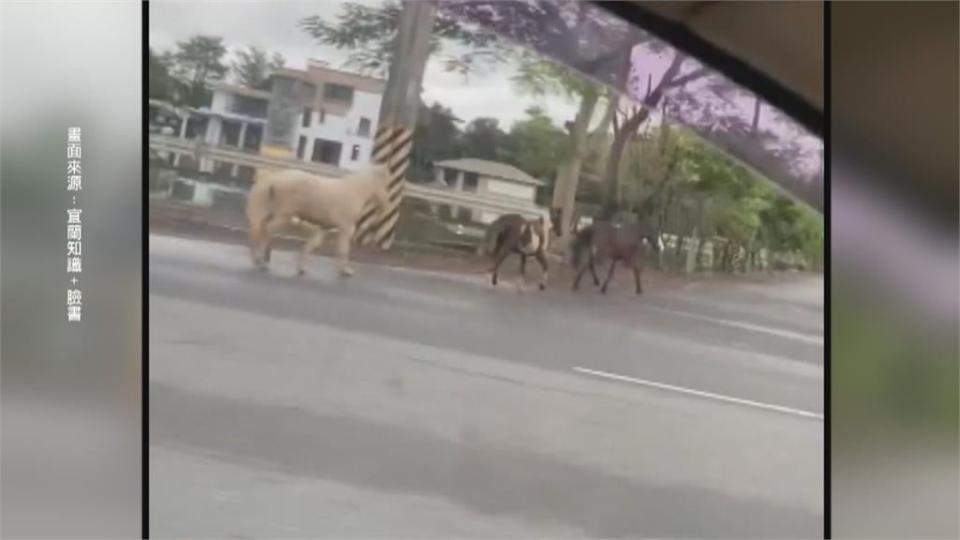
406,403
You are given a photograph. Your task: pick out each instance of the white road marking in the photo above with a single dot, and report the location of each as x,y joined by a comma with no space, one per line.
700,393
816,340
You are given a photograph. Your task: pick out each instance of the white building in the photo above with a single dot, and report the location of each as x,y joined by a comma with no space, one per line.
236,118
337,126
488,178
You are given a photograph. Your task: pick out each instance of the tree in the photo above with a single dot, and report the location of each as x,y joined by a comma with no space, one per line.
558,28
368,34
626,123
196,62
436,137
535,145
252,68
161,84
650,163
540,77
483,139
724,197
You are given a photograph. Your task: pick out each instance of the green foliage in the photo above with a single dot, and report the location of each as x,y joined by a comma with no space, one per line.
483,139
252,68
719,195
196,62
533,144
648,167
161,84
368,33
536,145
540,77
436,138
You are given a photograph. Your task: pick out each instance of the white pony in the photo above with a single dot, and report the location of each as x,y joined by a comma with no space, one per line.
318,202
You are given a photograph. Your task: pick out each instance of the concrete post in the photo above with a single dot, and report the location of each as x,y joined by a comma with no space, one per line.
399,110
243,135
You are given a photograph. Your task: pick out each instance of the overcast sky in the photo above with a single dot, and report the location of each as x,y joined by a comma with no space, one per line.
273,26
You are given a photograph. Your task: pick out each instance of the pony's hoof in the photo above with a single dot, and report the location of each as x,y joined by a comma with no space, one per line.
603,291
543,287
346,272
301,272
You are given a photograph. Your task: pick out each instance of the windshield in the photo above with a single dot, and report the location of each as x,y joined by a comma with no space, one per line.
501,269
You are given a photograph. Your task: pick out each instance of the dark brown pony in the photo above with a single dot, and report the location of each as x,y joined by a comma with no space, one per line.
616,242
514,233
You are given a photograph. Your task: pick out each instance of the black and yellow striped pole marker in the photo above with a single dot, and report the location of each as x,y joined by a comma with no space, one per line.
392,145
398,117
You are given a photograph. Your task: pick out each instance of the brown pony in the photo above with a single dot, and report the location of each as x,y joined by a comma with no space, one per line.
514,233
617,242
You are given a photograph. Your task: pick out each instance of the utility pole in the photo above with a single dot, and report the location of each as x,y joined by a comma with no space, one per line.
398,116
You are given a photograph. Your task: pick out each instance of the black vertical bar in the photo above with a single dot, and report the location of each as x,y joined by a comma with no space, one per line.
827,388
144,280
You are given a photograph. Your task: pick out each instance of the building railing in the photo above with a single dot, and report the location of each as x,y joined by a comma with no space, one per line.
496,204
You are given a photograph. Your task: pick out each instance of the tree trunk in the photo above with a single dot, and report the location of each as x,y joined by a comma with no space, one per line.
568,174
699,256
612,175
678,252
630,126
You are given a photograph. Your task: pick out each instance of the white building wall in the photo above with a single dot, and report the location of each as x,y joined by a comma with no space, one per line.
344,129
495,186
214,128
487,217
221,101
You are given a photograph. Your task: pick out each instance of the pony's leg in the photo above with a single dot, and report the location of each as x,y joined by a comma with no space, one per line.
637,269
309,247
523,268
542,259
258,231
255,240
593,271
500,257
497,248
271,224
343,250
580,272
613,264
